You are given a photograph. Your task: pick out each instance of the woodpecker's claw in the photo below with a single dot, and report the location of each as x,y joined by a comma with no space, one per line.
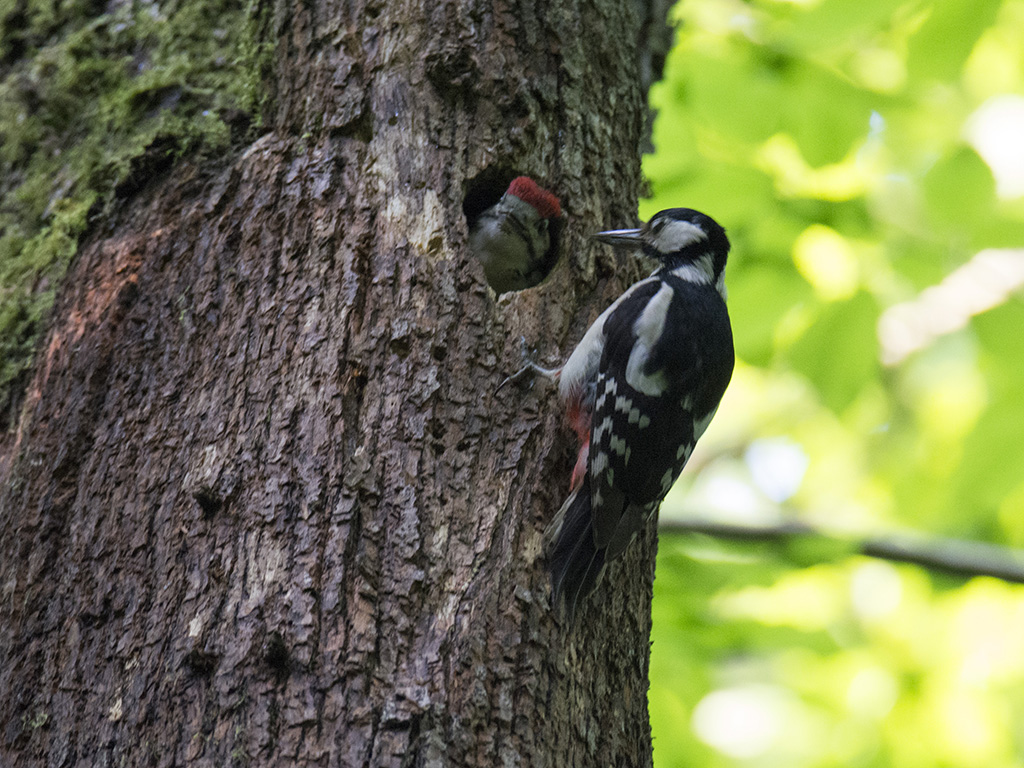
515,378
529,368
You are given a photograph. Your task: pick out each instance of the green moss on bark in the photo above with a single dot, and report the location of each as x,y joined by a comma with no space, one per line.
94,99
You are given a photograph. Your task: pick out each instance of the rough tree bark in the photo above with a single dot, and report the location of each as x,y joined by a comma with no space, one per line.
265,504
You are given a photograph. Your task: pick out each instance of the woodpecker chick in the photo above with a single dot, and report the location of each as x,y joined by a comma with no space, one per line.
640,389
512,237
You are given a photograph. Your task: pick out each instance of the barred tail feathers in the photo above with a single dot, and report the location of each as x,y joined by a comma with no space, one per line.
574,559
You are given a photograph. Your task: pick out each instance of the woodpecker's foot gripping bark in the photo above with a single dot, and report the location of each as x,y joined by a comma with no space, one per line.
530,369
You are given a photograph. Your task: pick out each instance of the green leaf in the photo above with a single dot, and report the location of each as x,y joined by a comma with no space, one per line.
735,95
946,39
825,114
992,467
758,298
959,191
834,23
839,352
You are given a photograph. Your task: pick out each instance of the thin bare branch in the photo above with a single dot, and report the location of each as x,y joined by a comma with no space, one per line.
957,557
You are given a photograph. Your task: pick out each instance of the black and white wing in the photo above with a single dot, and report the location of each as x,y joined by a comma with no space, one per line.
667,360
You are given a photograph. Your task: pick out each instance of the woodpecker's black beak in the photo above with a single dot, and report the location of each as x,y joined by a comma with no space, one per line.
620,238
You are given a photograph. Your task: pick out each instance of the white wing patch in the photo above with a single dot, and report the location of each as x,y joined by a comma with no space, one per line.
581,367
648,329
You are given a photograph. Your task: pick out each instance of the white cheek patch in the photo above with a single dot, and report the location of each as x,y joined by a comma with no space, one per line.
677,235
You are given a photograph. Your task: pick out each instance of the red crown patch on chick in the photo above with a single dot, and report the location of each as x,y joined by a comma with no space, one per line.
527,190
513,238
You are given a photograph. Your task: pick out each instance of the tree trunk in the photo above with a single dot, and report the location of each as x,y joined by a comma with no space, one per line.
266,504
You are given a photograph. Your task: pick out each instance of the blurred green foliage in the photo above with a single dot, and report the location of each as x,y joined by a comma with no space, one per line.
867,159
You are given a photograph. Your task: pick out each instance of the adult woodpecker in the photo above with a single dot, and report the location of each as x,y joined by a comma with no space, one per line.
512,237
640,389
